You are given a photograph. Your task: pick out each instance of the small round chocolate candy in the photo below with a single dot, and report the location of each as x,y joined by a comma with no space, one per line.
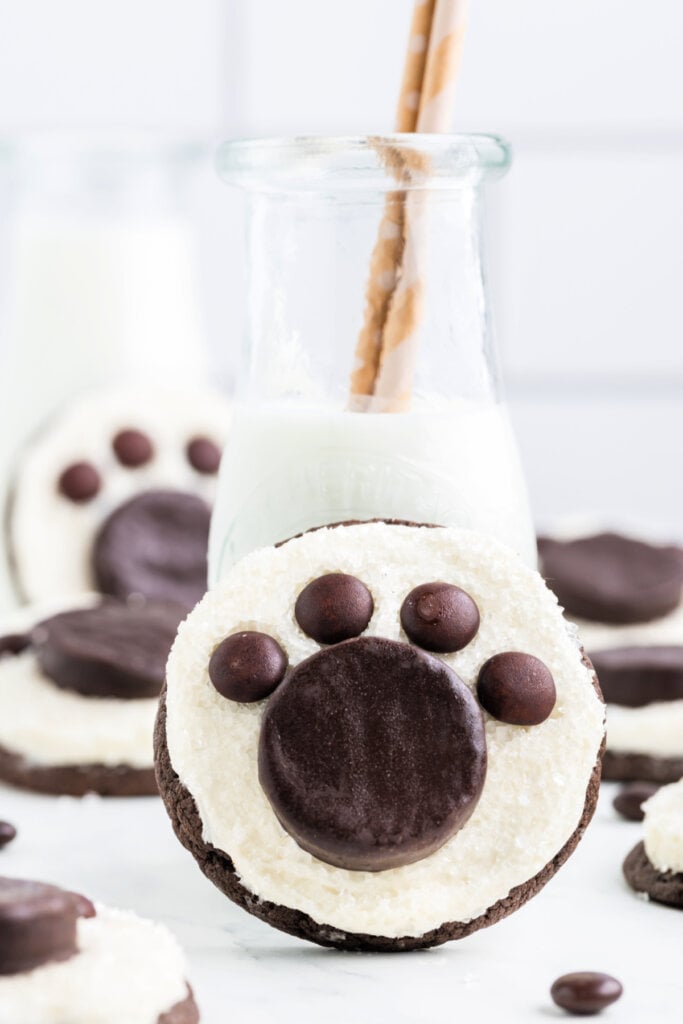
372,754
14,643
204,455
612,578
37,925
585,992
80,482
132,448
7,833
516,688
630,799
440,617
112,650
154,546
246,667
333,608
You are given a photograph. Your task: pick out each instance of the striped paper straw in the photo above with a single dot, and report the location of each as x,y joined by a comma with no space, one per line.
387,254
393,383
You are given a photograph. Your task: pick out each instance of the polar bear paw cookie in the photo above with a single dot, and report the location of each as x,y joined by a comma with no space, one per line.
64,959
626,597
655,866
115,495
379,736
78,697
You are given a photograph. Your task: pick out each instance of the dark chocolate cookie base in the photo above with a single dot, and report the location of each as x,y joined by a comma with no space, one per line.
643,876
182,1013
76,779
618,767
219,868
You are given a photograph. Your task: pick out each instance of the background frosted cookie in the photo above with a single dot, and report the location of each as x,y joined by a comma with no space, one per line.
78,697
64,959
379,736
655,866
624,594
115,494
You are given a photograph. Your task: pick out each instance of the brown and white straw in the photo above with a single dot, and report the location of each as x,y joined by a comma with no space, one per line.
386,349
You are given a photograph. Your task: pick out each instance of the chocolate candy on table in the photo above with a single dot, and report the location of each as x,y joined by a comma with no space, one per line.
80,482
640,675
584,993
111,650
13,643
440,617
204,455
516,688
37,924
630,799
611,578
334,607
154,545
402,791
247,666
7,833
132,448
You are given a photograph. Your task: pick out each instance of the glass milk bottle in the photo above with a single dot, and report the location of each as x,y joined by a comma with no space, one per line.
338,226
97,272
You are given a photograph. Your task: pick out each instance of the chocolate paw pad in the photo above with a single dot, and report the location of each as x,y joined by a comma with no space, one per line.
379,736
403,736
115,495
64,958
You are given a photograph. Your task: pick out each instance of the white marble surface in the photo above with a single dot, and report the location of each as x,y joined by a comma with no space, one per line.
124,853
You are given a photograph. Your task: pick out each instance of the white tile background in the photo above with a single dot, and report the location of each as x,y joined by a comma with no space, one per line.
586,231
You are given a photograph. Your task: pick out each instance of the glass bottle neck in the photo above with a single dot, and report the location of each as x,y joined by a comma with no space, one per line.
314,275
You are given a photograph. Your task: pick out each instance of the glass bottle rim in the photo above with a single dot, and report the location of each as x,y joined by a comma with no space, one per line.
318,163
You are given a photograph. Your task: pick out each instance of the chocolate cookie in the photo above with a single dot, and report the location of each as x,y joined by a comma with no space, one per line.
185,1012
76,961
655,866
115,495
370,800
79,698
643,876
611,578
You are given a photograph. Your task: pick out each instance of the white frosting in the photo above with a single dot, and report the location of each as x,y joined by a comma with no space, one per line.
51,726
663,827
537,777
51,536
655,730
127,971
600,636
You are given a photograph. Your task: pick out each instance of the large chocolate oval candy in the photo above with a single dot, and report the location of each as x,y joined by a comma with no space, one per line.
372,754
154,546
611,578
37,924
111,650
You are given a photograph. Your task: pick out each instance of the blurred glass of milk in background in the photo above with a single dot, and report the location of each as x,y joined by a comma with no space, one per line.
97,273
